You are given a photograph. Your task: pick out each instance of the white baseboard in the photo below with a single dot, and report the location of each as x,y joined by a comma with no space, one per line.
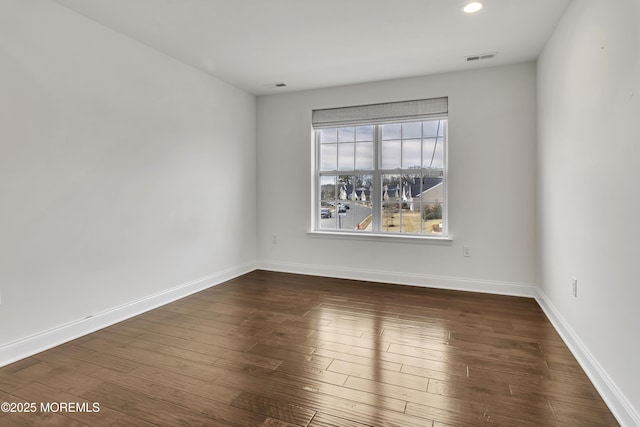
399,278
622,409
45,340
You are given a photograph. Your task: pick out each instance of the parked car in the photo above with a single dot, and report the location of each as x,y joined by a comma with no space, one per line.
325,213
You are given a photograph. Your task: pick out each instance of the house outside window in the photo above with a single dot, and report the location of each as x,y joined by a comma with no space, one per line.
381,169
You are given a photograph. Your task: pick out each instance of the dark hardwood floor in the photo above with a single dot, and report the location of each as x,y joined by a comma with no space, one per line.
273,349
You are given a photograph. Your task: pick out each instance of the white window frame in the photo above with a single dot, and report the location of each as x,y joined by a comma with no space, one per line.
379,114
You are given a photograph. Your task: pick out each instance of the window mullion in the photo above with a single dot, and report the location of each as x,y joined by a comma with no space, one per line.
316,191
376,207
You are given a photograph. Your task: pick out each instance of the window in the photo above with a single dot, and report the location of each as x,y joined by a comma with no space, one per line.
381,169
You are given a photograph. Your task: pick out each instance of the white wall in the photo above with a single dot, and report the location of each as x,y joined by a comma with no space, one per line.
123,172
589,170
492,128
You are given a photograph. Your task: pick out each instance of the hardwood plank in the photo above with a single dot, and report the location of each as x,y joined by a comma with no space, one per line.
326,420
474,417
445,369
582,414
273,408
469,389
371,343
71,379
78,353
272,422
509,365
11,381
286,345
196,333
184,383
155,359
140,405
304,371
372,372
362,360
312,393
129,421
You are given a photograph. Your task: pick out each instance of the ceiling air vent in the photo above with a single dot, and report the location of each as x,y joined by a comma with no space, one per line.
481,57
276,85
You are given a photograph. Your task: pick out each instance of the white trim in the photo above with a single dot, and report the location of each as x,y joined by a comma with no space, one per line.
381,237
50,338
617,402
421,280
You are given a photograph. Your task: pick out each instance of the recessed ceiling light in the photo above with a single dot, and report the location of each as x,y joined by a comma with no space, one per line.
481,57
472,7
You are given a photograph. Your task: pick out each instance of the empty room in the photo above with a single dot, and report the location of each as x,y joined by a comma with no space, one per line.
341,213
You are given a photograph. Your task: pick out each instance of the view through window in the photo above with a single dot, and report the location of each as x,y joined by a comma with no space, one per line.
383,177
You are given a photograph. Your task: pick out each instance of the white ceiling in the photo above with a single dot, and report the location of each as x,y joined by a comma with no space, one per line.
312,44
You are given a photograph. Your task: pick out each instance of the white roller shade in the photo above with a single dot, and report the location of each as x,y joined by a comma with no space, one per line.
381,113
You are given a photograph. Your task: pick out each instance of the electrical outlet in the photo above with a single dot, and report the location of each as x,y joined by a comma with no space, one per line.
574,287
466,250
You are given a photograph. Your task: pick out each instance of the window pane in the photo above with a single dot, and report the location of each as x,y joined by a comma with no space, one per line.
346,134
411,130
429,152
433,153
328,135
362,189
390,154
364,155
362,207
362,216
438,158
346,220
345,186
328,188
354,216
392,131
412,187
411,154
353,209
328,157
345,156
432,190
432,218
391,217
328,193
391,188
432,128
411,222
364,133
327,219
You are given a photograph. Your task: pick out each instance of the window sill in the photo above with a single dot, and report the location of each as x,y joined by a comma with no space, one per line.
380,237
